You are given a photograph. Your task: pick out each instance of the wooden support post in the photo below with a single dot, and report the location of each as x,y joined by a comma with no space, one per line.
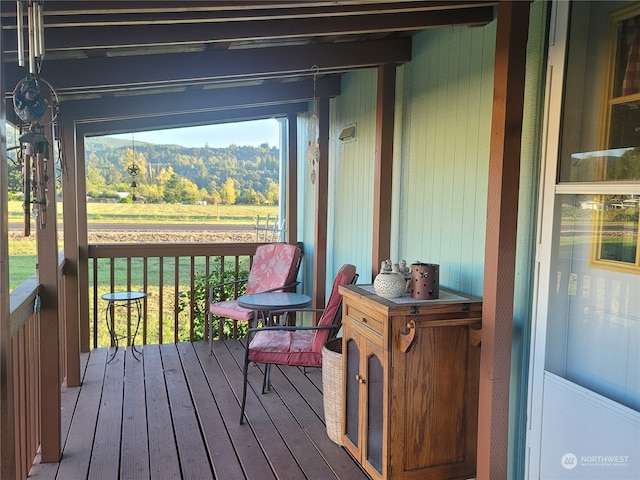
385,114
500,249
70,279
83,247
47,240
7,439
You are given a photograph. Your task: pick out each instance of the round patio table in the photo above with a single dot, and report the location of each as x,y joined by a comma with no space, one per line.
123,299
268,303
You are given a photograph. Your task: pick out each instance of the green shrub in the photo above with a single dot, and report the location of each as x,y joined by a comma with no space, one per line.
200,293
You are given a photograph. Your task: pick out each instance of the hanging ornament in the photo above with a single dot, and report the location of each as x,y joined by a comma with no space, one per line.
133,170
313,150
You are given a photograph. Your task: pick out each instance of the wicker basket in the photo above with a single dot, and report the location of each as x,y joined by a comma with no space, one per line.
332,388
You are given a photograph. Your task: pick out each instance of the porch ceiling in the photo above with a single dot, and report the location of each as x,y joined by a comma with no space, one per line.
170,61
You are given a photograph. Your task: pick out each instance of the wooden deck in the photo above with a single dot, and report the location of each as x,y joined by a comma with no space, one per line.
174,415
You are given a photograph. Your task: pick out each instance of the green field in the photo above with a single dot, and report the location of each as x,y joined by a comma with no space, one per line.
22,251
161,213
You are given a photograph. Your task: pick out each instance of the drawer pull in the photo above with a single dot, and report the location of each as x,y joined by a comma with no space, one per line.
360,379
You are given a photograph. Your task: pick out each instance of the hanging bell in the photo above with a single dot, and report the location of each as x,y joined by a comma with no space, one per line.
134,184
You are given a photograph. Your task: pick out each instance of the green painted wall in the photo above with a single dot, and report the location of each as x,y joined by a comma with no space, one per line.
444,129
351,174
442,134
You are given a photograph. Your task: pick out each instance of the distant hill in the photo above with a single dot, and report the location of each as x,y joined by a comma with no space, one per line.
236,174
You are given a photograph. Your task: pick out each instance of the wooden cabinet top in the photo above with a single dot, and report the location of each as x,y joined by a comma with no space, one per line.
449,301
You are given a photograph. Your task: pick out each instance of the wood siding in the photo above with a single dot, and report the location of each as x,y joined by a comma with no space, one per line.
448,96
351,174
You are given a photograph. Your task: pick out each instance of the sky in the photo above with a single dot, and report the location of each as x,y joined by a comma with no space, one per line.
252,133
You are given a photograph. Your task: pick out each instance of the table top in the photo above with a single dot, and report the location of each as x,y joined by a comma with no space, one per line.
123,296
270,301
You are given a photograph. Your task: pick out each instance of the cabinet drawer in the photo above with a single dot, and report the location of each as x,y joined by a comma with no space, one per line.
364,318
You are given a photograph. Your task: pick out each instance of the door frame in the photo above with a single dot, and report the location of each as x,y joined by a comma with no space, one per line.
552,122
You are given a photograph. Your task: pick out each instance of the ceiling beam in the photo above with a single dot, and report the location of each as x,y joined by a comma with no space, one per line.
106,34
89,73
204,100
67,11
188,119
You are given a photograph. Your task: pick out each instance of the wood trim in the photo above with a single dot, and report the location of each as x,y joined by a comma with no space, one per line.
129,250
383,174
70,278
322,186
500,249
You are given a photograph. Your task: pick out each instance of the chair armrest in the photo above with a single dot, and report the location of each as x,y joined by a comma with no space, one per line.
284,287
291,328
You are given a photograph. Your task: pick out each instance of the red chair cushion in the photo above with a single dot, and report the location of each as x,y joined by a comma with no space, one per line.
345,276
284,348
274,265
231,309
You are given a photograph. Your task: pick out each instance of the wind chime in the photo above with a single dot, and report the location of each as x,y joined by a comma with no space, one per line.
133,170
313,150
30,106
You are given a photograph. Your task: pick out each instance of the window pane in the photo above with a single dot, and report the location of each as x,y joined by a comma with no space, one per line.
593,335
617,164
627,61
618,230
625,125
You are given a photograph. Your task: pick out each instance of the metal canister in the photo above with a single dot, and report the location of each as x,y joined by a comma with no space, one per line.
425,281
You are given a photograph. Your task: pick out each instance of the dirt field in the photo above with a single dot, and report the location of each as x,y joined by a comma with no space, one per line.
156,237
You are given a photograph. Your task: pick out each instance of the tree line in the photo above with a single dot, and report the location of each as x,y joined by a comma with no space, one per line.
176,174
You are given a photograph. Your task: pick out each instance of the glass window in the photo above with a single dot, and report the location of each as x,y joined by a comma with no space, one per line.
593,317
594,313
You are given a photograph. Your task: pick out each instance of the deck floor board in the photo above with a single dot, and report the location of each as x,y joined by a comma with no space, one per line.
174,415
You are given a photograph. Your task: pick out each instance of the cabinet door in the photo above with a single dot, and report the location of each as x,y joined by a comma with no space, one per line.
373,391
352,393
363,422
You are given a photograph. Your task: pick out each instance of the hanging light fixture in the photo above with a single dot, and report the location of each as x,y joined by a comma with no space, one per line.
313,151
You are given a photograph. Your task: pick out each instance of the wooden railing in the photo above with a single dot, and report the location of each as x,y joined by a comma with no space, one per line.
25,335
24,329
174,277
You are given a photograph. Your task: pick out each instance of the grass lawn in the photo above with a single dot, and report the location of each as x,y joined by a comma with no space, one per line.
22,251
162,213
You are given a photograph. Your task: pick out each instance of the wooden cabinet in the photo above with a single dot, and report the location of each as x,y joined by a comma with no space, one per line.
410,393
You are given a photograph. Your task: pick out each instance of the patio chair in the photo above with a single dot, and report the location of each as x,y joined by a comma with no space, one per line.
296,345
275,267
